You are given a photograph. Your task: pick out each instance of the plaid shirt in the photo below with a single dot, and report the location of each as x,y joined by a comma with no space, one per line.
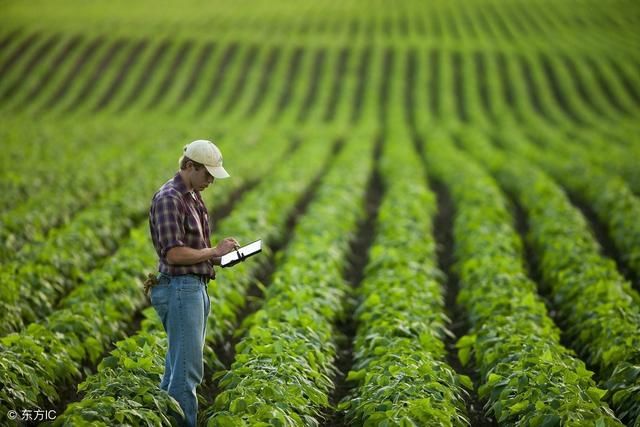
179,218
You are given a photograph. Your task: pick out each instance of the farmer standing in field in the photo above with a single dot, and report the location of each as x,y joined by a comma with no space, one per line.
179,226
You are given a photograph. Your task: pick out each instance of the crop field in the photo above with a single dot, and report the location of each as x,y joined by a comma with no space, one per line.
448,191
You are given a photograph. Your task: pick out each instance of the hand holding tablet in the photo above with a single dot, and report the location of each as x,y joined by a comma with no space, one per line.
241,254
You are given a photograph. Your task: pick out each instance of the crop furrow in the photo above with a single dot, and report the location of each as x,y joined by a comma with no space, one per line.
580,85
458,90
508,91
362,77
358,259
238,87
480,68
558,91
169,76
121,75
532,91
291,77
338,79
196,71
458,323
274,57
312,90
433,92
230,54
385,84
409,89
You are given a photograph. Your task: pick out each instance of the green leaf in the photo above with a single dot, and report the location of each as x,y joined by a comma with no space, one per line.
596,393
518,407
466,381
356,375
224,421
464,354
238,405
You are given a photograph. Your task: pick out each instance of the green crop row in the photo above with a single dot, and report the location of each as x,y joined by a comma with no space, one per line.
400,375
620,157
608,196
121,378
596,307
42,159
283,366
77,177
527,376
49,354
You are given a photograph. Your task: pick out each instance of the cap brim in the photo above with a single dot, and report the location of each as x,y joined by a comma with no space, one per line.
217,172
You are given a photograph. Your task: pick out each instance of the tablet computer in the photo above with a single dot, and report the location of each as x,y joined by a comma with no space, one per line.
241,254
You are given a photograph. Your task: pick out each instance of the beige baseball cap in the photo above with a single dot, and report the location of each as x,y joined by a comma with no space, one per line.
205,152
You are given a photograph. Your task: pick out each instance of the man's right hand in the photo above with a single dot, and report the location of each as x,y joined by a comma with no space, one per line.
227,245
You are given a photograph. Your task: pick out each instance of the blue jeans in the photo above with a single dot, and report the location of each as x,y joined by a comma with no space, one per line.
183,304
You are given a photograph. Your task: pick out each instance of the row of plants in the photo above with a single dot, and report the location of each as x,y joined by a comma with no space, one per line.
38,162
622,150
399,374
284,364
49,355
31,289
607,196
132,372
77,178
526,376
595,306
89,318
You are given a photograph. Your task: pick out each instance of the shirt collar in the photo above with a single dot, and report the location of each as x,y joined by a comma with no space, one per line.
179,184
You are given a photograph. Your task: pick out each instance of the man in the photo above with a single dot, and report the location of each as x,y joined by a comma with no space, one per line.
179,226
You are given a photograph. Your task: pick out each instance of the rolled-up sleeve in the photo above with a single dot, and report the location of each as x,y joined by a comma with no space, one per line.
168,216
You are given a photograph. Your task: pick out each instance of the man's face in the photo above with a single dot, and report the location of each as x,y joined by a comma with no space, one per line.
200,178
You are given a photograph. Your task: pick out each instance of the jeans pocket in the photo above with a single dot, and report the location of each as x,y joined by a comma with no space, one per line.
190,284
160,294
